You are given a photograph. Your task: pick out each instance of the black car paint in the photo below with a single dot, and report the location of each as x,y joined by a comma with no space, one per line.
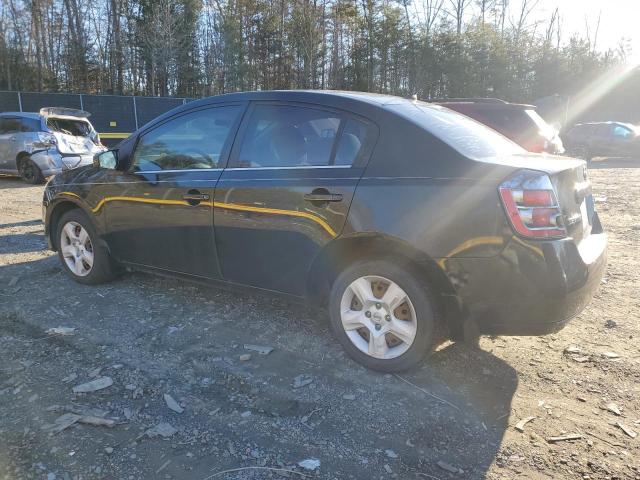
416,197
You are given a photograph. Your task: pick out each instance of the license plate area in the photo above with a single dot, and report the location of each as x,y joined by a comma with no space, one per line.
586,214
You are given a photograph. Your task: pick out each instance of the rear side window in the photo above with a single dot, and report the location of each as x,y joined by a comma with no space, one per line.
290,136
467,136
9,125
603,131
192,141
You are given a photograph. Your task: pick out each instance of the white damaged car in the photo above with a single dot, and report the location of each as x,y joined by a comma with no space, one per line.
39,145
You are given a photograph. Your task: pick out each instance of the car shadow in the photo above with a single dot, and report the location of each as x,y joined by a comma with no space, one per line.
450,412
16,243
10,181
26,223
614,162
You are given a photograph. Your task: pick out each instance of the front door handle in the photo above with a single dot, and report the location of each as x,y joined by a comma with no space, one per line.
323,197
194,197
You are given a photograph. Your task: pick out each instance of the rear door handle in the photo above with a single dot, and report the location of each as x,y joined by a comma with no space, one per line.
323,197
194,197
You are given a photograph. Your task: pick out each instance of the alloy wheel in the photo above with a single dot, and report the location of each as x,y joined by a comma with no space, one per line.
77,249
378,317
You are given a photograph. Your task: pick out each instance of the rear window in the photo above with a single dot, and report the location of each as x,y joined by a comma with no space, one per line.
77,128
516,120
472,139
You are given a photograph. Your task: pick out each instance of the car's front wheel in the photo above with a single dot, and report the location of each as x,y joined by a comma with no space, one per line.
383,315
83,257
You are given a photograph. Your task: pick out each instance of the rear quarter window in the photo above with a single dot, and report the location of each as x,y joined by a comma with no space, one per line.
469,137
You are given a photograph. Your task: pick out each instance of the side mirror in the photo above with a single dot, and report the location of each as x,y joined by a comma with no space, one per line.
108,159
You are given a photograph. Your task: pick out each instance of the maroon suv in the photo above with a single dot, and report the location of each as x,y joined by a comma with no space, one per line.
521,123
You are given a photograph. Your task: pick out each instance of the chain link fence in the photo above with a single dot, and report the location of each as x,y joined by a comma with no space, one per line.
113,116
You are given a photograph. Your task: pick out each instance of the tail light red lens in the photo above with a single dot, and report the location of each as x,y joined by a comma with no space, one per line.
531,204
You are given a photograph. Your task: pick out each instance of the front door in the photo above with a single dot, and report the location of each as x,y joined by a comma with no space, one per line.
287,192
159,212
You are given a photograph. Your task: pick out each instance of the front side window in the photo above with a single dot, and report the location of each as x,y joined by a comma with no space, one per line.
288,136
30,125
192,141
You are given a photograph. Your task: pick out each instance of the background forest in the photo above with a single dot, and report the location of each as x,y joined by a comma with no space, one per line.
432,48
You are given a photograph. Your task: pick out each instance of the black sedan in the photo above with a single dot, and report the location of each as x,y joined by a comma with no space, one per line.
404,219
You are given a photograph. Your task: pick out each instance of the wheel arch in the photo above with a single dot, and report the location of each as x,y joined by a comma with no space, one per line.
56,212
344,251
20,156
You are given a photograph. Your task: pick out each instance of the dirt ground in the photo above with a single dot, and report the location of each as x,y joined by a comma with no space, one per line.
453,418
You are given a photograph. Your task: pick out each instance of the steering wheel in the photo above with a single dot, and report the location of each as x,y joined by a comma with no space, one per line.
190,155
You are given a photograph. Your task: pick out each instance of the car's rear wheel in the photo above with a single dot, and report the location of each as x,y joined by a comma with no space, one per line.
383,315
30,172
82,255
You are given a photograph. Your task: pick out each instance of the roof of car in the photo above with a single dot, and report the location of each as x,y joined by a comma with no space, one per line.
20,114
357,102
488,102
301,95
603,123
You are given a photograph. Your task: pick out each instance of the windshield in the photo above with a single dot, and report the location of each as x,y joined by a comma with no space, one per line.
77,128
470,138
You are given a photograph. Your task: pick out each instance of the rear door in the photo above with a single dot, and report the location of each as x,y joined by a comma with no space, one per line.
159,212
600,141
287,191
9,142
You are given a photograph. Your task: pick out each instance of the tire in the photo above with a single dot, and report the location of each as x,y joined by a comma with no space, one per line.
30,172
382,319
92,264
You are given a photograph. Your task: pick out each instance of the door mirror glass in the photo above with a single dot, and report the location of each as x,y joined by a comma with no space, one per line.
108,159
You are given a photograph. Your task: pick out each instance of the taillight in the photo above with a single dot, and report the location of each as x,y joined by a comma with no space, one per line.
531,204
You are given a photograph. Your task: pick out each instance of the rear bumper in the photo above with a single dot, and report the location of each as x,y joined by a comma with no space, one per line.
531,288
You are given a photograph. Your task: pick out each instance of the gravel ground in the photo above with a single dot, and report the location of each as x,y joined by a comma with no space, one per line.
454,418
